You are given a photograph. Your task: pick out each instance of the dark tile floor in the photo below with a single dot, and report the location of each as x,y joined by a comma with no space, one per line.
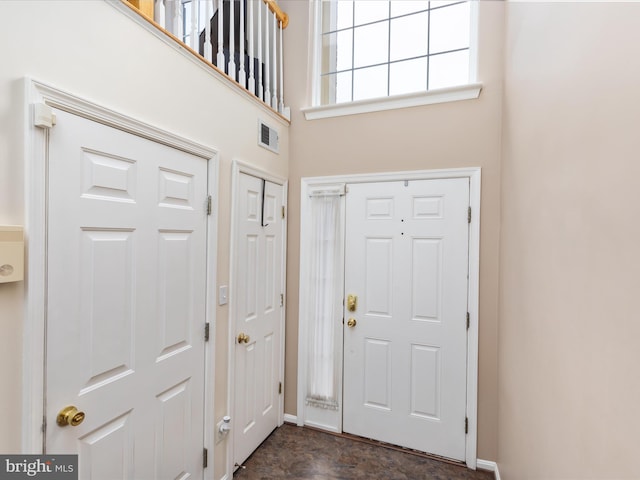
301,453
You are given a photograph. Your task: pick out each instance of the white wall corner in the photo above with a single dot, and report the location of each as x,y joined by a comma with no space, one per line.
490,466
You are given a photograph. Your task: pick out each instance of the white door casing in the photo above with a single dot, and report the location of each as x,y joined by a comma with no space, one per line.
315,417
258,311
126,302
405,358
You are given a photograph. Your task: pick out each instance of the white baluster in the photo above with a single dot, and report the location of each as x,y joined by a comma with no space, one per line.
159,14
194,34
242,75
281,106
176,27
267,60
220,56
208,13
260,73
251,84
274,98
232,40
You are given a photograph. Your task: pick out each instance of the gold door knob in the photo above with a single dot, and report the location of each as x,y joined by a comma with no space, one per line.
243,338
70,416
351,322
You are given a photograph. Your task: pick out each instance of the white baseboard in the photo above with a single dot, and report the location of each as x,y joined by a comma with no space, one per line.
490,466
288,418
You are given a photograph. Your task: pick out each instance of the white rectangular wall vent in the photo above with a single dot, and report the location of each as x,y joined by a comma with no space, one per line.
268,137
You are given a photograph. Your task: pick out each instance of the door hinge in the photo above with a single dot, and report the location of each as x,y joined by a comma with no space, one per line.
282,299
469,215
44,425
283,209
279,388
209,205
205,458
468,320
466,425
206,332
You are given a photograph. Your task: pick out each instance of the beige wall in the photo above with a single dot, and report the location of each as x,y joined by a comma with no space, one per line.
461,134
93,51
570,268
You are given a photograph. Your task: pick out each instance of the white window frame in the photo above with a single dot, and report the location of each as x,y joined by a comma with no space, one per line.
467,91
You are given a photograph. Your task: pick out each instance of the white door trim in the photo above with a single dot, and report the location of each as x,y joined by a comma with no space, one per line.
35,158
474,176
238,167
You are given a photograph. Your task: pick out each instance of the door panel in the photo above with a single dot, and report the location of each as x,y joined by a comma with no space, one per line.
405,358
126,288
258,312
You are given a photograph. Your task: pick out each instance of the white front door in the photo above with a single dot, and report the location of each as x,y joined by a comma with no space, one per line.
258,312
126,287
405,353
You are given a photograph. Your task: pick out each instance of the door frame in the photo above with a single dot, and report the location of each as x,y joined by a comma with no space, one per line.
239,167
334,422
36,141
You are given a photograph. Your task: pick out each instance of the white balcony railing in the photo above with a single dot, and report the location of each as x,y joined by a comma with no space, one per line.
243,38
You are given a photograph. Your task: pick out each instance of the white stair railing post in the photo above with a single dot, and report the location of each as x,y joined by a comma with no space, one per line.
194,33
232,40
251,83
281,106
220,57
159,14
260,73
242,75
267,60
274,98
208,15
176,24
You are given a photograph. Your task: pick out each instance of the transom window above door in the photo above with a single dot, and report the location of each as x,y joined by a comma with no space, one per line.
375,49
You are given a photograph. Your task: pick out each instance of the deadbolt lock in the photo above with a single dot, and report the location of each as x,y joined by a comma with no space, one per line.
70,416
352,302
351,322
243,338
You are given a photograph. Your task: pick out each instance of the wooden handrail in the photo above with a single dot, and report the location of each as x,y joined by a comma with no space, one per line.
282,17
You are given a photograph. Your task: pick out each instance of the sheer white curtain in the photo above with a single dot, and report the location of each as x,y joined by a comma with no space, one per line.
325,298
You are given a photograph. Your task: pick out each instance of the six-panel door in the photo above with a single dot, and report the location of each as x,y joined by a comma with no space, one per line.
405,358
126,287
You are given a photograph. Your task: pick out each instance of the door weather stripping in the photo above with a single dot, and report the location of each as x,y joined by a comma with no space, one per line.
264,187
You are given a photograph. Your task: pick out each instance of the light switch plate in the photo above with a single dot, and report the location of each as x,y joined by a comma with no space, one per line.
223,295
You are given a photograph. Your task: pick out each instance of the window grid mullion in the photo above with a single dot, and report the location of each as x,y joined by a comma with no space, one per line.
389,52
444,52
428,44
353,46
